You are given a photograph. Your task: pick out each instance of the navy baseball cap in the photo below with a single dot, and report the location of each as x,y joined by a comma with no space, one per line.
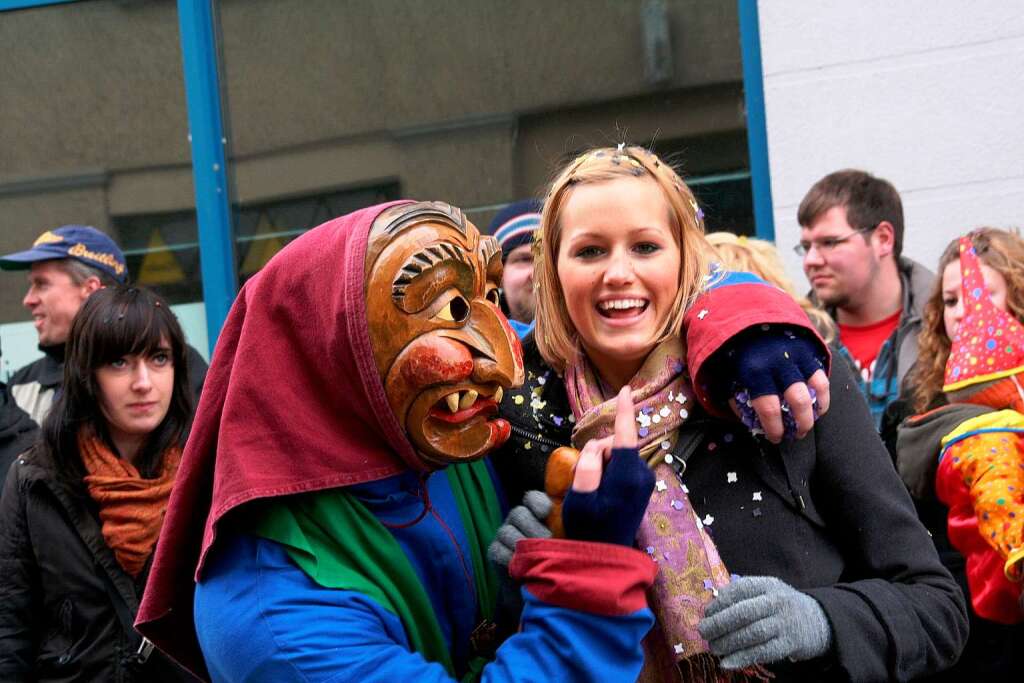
82,242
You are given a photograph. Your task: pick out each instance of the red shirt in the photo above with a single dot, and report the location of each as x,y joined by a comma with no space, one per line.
864,341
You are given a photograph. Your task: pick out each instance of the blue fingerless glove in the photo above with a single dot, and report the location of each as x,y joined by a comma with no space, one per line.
766,360
612,512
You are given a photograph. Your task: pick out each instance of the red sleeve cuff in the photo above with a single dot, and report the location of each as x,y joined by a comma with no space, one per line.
720,314
599,578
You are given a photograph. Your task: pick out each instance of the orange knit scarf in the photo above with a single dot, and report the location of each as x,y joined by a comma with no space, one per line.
131,508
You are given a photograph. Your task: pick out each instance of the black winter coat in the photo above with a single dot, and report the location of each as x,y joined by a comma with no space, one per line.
827,514
66,606
17,431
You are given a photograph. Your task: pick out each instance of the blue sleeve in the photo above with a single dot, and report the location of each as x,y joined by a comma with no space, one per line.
559,644
260,618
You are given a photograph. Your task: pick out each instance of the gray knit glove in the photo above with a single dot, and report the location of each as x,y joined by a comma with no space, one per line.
523,521
760,619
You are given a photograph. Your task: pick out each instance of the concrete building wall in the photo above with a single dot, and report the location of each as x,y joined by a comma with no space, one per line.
925,94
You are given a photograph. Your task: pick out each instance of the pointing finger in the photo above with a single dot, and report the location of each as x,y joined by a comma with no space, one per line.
625,420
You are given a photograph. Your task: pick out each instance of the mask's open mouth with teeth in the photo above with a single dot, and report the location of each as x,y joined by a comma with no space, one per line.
460,406
622,308
457,422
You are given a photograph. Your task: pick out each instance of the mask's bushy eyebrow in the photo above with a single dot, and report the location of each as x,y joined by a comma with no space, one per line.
422,261
488,248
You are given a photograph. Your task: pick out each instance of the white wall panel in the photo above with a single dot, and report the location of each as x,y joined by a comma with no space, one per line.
925,94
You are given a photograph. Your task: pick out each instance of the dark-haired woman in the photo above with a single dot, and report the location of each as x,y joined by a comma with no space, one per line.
82,509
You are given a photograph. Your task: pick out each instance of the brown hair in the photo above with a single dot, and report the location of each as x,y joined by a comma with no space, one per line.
868,201
114,322
761,258
556,338
1000,250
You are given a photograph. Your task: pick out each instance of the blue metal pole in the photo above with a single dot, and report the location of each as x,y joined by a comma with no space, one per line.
6,5
757,130
206,132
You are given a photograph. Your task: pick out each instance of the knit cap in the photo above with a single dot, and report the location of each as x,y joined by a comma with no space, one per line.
514,225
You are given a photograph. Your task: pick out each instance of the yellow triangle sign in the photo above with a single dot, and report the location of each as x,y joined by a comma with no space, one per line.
159,267
261,249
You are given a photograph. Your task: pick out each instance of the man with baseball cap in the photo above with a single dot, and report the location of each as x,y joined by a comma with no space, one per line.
513,227
65,266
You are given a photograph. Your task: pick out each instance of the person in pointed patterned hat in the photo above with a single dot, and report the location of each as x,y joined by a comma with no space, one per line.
980,474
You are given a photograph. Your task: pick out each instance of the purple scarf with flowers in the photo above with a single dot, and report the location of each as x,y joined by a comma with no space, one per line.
689,568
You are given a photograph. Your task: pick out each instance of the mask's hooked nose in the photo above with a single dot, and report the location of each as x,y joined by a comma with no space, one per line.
497,353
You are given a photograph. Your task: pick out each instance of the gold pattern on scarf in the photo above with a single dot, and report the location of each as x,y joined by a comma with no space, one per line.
654,453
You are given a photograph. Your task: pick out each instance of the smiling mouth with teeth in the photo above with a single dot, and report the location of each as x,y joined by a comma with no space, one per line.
622,308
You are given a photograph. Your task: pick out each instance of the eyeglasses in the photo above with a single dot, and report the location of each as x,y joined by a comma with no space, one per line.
827,245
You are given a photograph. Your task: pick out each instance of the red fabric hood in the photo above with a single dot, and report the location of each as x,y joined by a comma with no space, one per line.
293,374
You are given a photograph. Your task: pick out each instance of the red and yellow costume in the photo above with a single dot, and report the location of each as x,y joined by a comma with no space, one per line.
981,466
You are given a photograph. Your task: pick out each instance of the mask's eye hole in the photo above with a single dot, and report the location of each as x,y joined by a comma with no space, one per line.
455,311
492,296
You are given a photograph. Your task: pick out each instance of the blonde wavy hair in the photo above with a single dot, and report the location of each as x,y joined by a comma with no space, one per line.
556,336
761,258
1000,250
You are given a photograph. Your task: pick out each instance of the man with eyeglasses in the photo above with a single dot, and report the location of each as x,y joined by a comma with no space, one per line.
851,239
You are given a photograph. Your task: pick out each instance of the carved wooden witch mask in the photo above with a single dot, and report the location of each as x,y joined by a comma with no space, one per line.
442,347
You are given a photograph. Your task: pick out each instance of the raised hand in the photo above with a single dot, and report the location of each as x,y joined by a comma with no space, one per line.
611,485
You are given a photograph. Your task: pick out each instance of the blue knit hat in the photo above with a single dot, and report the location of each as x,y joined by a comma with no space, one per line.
515,224
82,242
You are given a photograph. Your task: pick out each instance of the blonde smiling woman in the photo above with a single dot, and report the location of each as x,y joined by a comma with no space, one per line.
820,530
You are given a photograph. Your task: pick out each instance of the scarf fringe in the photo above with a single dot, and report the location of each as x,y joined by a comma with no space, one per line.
707,667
